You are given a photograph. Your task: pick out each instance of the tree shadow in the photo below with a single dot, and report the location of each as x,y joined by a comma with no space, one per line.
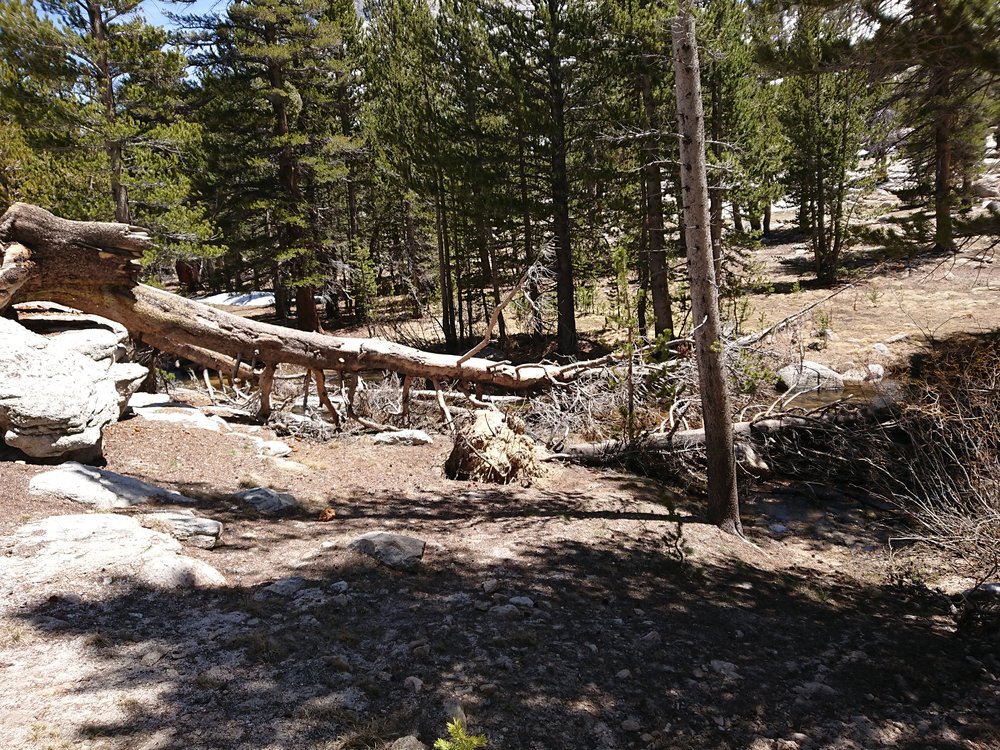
624,644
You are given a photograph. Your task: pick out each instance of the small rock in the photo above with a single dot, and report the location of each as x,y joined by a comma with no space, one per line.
285,586
623,674
490,585
392,550
882,349
815,690
350,699
266,501
340,587
408,743
651,638
403,437
505,612
275,448
725,668
897,338
413,684
152,656
778,528
454,712
489,688
631,724
522,601
184,526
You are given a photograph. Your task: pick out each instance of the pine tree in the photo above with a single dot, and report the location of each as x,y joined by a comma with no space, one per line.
273,85
824,99
97,91
942,56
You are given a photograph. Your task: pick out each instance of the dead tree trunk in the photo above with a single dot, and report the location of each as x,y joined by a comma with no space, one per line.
94,266
723,502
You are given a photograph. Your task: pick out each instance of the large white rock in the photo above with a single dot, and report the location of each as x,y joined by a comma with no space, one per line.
184,526
103,489
128,378
94,337
90,548
806,375
99,339
403,437
158,407
53,401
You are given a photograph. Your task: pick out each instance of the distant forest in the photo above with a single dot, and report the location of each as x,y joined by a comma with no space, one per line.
444,153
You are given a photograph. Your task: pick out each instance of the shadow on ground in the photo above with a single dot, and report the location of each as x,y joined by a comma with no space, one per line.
623,644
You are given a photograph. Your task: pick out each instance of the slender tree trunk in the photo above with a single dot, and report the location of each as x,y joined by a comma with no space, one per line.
737,218
659,281
715,190
644,290
534,293
112,146
566,322
820,238
943,126
767,219
723,501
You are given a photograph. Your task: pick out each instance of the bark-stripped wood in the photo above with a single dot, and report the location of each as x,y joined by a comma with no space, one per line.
723,501
94,267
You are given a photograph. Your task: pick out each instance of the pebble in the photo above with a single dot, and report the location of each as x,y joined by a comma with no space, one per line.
505,612
413,684
490,585
522,601
623,674
340,587
725,668
631,724
151,657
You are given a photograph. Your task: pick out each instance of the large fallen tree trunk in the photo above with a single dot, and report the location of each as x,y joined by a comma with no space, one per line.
94,267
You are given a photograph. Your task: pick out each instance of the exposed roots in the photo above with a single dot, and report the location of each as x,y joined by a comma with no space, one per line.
495,449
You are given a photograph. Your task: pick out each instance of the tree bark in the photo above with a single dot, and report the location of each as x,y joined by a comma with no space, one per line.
565,289
723,501
659,282
94,267
943,233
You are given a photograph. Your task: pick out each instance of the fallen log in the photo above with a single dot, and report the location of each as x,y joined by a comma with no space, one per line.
94,267
607,451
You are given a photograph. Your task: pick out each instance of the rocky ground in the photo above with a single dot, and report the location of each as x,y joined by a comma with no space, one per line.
589,610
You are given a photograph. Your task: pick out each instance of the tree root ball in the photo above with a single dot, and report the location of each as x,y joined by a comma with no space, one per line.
492,448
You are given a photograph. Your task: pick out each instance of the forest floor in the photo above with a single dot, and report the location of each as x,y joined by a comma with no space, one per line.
646,627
